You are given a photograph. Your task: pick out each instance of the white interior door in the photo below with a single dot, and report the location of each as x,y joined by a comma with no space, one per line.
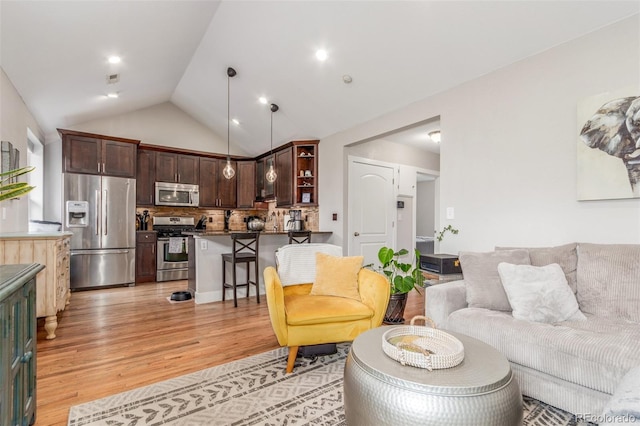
372,208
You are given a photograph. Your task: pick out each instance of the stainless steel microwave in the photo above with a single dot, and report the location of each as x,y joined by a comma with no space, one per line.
177,194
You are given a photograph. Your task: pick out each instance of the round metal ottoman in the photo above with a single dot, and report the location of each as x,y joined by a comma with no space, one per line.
380,391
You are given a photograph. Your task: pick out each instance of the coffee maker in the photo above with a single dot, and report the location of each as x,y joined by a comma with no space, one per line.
295,222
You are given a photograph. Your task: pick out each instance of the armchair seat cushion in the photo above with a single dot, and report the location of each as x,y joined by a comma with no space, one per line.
308,309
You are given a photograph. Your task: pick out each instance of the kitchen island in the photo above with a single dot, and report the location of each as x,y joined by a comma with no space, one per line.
205,260
50,249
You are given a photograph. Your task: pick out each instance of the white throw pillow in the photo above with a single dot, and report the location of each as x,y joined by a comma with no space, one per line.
539,293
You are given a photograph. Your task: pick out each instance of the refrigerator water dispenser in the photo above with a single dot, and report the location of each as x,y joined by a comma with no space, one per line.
77,214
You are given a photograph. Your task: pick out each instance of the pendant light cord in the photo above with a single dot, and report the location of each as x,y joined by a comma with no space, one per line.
228,114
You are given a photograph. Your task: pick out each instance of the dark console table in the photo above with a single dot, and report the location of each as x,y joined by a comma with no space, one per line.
18,344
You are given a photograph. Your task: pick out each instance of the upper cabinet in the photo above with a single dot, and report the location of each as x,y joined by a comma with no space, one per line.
177,168
215,189
265,190
146,178
246,173
97,154
284,182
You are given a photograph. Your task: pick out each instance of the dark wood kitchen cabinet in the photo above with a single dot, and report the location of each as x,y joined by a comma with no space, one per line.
146,256
177,168
264,190
246,173
18,344
98,154
284,182
215,189
146,178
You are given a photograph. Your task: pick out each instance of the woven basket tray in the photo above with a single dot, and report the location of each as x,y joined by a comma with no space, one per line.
421,346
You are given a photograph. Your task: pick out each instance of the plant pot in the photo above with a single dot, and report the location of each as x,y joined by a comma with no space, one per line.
395,309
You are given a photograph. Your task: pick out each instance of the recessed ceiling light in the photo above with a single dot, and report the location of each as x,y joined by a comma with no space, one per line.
112,95
435,136
262,100
114,59
235,121
321,55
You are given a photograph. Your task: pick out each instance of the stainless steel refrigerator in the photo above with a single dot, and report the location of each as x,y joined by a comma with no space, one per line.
100,211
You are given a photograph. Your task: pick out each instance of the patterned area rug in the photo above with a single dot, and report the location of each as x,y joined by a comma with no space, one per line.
252,391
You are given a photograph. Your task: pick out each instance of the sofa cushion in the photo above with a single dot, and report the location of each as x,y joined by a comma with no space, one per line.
480,270
539,293
565,255
595,353
609,280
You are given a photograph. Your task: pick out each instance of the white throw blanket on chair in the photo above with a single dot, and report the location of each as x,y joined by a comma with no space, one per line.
296,263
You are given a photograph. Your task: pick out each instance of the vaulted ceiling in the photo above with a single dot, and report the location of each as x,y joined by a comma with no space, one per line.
396,53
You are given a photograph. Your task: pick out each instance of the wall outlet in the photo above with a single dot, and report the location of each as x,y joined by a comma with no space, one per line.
203,245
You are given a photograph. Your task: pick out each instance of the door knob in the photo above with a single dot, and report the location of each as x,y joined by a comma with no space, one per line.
356,234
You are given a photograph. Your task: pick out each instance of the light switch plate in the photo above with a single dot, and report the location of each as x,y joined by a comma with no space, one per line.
450,213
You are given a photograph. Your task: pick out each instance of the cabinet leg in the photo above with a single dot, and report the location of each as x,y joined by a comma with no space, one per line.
50,324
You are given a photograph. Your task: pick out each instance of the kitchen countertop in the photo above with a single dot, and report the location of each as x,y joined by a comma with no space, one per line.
34,235
223,233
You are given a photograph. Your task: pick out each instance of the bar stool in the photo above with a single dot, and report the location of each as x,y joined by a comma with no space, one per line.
245,250
299,237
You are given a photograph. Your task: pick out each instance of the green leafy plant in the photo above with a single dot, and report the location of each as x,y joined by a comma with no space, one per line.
440,235
402,276
10,189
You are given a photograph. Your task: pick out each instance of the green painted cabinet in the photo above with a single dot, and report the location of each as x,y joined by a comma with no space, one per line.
18,344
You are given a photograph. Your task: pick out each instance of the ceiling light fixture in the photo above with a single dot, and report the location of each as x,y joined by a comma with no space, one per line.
271,175
262,100
235,121
114,59
228,171
435,136
113,95
321,55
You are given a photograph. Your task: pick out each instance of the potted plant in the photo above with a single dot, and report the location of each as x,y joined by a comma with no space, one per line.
9,188
403,277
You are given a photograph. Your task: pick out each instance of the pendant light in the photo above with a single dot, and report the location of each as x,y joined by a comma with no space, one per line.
271,175
228,171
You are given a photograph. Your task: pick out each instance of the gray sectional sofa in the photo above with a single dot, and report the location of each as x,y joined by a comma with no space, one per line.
575,363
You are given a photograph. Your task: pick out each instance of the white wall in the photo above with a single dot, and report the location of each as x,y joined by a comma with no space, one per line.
508,155
390,152
425,214
15,119
163,124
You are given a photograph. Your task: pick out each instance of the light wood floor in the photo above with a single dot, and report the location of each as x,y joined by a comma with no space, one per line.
113,340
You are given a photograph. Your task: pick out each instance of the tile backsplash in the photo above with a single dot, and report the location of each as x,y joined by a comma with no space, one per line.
215,217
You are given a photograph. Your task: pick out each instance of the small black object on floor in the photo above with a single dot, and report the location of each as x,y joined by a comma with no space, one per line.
180,296
312,351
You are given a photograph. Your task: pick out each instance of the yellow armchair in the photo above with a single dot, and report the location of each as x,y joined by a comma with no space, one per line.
301,319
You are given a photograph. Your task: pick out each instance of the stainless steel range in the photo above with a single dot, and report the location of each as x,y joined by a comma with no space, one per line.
173,254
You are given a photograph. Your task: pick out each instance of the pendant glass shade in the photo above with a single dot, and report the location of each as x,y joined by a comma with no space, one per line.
271,175
228,171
